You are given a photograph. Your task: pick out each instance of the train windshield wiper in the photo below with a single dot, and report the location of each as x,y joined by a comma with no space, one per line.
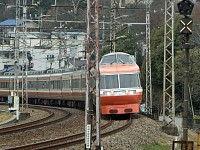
121,61
113,61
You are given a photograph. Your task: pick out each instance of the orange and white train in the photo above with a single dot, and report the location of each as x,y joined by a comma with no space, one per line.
120,92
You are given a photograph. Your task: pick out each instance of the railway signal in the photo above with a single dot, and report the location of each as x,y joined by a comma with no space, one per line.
185,8
186,25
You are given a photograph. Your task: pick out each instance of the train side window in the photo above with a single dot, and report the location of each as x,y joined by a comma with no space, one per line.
4,85
34,84
30,84
58,84
20,85
52,85
7,85
83,83
66,84
75,83
55,84
46,84
39,84
63,84
43,84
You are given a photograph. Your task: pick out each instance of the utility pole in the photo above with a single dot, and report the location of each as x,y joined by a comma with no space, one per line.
60,48
66,59
25,65
16,62
168,71
112,25
15,94
185,8
92,74
148,61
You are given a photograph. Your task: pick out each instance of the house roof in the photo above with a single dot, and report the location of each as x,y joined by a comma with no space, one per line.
12,22
9,22
78,62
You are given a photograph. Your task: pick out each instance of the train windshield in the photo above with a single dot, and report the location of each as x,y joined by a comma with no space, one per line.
129,80
120,81
109,81
118,58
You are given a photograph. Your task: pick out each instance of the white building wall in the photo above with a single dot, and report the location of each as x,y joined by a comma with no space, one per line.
72,42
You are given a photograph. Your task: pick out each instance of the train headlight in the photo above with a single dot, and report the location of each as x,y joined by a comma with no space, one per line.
107,93
132,92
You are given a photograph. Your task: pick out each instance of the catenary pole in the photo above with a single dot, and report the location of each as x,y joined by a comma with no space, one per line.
25,59
112,25
168,71
16,62
92,74
148,61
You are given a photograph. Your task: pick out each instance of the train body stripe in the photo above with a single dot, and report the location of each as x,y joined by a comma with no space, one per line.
119,69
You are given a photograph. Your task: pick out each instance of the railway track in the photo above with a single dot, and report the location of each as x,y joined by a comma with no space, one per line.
67,141
38,123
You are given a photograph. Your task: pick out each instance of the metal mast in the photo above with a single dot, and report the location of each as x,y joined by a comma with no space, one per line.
148,61
112,25
92,73
168,82
16,62
25,59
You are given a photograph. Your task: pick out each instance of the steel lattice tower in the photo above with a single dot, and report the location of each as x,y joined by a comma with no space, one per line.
112,25
16,62
148,61
169,83
92,73
25,59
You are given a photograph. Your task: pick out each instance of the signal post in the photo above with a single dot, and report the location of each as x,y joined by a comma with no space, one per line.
185,8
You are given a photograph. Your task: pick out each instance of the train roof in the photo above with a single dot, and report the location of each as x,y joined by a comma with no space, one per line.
46,73
117,58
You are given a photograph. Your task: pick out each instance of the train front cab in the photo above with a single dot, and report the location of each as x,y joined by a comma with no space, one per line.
120,94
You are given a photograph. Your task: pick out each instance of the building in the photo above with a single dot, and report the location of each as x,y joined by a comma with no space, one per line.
54,50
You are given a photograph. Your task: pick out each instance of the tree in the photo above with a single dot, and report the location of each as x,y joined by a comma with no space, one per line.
76,4
126,42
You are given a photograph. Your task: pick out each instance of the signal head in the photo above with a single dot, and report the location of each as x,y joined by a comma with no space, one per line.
185,7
